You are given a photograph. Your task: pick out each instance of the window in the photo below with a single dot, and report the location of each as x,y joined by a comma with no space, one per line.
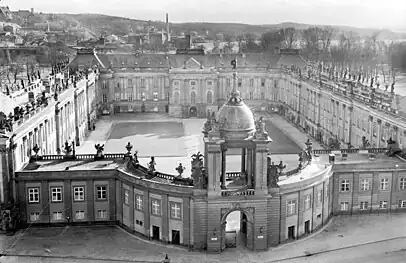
142,82
209,83
262,82
385,184
402,203
319,197
101,192
176,83
262,95
102,214
139,202
130,94
291,207
156,207
56,194
34,217
402,183
129,83
193,97
176,98
117,96
307,202
80,215
345,185
364,184
155,96
167,96
363,205
344,206
175,211
209,97
138,222
251,95
143,96
228,82
239,82
57,215
192,83
251,82
104,84
383,204
78,193
126,197
33,195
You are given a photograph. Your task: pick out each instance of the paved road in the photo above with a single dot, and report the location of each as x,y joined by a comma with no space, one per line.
392,251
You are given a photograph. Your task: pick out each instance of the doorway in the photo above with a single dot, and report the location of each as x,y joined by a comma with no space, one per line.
143,108
166,108
193,112
155,232
235,230
307,227
291,232
175,237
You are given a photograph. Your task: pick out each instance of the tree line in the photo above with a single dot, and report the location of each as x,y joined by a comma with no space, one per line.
324,44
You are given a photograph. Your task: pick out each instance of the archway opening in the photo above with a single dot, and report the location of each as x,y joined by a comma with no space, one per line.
235,230
193,112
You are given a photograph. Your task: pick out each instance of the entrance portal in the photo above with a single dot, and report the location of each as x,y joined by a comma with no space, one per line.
175,237
142,108
193,112
155,232
235,230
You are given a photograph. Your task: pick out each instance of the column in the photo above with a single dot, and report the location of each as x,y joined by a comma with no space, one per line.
46,133
77,117
249,166
40,142
261,151
378,133
243,154
57,128
223,168
213,167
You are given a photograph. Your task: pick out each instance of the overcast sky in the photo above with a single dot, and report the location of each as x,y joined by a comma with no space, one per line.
359,13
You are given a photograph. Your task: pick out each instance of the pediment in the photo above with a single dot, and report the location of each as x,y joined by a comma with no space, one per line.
192,63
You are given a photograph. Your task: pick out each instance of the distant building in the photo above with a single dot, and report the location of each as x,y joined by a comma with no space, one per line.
5,13
26,15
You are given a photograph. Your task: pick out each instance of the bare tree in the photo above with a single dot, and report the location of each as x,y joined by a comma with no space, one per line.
311,41
228,44
290,37
327,34
271,41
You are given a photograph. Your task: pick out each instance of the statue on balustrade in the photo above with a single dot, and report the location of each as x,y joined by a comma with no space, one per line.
392,87
151,165
99,151
180,169
272,172
67,148
393,147
6,124
199,175
260,132
365,143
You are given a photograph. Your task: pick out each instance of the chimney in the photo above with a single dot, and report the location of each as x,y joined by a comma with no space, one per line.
168,35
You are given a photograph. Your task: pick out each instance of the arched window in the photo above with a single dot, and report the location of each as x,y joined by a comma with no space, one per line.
193,97
176,98
209,97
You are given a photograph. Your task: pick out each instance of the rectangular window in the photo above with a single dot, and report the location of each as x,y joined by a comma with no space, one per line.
383,204
262,82
364,184
57,215
117,96
175,211
142,83
101,192
385,184
80,215
167,96
344,206
156,207
129,83
102,214
363,205
126,197
262,95
34,216
138,222
402,203
56,194
78,193
33,195
209,83
155,96
251,82
228,82
139,202
291,207
239,82
307,202
345,185
402,183
143,96
251,95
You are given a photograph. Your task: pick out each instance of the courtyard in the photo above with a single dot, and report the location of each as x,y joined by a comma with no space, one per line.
172,141
110,243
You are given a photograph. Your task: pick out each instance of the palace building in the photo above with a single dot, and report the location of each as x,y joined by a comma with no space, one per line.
276,206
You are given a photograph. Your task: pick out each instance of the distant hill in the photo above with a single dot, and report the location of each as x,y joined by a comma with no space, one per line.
99,24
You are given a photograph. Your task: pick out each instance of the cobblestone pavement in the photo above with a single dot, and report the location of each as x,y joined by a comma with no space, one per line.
110,243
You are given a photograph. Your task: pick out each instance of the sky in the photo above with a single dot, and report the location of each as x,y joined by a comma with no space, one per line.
359,13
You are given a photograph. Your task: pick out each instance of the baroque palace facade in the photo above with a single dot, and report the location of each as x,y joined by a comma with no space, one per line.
276,205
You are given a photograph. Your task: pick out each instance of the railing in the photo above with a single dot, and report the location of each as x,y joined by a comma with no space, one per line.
233,174
165,176
370,150
239,192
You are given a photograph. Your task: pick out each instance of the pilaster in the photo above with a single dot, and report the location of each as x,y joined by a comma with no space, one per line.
261,152
213,167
